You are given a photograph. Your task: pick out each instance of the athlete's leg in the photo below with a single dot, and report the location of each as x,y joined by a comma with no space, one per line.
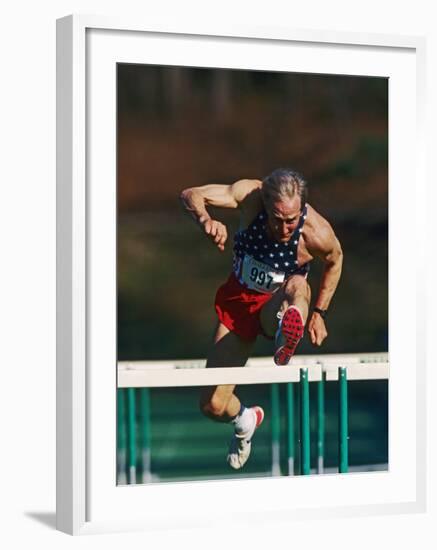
295,291
287,313
220,402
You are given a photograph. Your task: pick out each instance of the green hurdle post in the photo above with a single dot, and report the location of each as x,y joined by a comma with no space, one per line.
121,437
304,422
290,428
145,434
276,430
321,423
343,422
132,432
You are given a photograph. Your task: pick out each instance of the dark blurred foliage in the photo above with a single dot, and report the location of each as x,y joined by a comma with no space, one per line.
179,127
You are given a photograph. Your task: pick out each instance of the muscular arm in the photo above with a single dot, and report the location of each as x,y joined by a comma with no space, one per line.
325,246
195,200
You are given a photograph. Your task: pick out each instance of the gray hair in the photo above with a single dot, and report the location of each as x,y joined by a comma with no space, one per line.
284,184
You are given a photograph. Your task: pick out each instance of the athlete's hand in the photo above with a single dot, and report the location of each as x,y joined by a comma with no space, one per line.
317,329
216,231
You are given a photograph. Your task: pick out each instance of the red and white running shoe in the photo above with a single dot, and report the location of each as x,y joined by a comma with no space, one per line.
290,331
240,446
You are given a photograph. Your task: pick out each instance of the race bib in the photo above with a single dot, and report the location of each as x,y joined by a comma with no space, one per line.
260,277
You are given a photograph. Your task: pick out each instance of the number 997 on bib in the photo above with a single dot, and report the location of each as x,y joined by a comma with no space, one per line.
259,276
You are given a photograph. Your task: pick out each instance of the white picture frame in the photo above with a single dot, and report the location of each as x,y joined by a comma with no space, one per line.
78,38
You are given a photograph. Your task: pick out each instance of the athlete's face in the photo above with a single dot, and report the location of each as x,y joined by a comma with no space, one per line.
283,218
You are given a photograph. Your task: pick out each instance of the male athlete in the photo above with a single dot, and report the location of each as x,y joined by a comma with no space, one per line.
267,292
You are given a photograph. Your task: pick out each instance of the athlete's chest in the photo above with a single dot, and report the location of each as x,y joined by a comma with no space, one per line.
262,263
254,237
256,242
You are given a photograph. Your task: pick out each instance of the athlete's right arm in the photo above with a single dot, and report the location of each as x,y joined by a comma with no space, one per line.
196,199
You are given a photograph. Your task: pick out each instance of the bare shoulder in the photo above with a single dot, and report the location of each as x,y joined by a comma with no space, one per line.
246,190
251,203
318,234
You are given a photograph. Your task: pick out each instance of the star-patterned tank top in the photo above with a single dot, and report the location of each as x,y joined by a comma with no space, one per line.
263,264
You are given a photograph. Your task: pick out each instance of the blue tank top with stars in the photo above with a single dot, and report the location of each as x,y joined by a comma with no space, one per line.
263,264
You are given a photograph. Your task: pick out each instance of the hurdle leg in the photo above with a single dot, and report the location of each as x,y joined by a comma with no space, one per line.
276,430
290,428
304,421
321,423
145,435
343,450
132,431
121,437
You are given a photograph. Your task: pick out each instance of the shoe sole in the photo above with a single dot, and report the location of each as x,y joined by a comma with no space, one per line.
292,328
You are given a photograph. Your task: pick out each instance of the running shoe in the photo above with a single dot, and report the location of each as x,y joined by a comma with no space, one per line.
291,328
239,449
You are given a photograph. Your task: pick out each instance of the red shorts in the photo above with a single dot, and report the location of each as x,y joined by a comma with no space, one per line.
238,308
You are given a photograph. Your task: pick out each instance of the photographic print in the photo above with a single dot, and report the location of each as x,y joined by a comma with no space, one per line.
252,231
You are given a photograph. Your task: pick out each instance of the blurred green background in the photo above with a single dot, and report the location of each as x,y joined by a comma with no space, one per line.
181,127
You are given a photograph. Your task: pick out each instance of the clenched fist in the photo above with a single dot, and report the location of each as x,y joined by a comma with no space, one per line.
317,329
216,231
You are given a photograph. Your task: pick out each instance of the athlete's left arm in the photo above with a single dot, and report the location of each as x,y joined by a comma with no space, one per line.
324,245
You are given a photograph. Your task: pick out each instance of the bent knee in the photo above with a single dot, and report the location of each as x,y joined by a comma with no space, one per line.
297,286
212,405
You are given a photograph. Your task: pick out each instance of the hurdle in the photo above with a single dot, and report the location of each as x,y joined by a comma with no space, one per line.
135,379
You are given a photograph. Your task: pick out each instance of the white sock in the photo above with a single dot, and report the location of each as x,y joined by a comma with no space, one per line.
243,422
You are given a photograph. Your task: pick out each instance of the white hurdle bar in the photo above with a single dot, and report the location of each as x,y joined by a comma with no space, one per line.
159,374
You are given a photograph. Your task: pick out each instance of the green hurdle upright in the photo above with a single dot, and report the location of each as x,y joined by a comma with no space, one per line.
276,430
343,450
131,434
321,423
145,435
121,437
304,422
290,428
